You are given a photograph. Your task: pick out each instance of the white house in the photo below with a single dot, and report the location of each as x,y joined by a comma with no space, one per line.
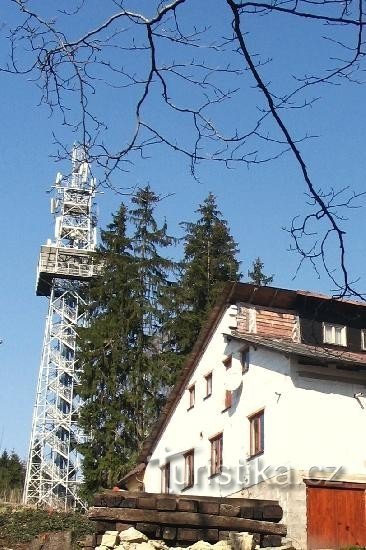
272,404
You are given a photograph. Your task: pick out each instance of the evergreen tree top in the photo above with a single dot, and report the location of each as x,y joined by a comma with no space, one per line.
257,277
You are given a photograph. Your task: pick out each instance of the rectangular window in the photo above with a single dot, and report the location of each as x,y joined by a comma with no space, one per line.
334,334
208,379
256,433
363,339
188,469
216,454
192,396
244,360
165,478
228,399
228,394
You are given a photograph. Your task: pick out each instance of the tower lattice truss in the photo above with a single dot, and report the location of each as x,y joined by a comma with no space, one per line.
53,471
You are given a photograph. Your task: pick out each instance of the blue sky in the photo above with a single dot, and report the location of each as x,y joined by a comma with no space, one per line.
257,202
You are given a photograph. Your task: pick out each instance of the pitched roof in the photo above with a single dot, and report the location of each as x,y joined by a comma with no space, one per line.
322,354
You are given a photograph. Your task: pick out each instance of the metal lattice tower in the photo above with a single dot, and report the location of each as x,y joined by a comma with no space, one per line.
53,470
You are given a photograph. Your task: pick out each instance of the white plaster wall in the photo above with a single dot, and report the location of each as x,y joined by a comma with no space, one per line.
193,428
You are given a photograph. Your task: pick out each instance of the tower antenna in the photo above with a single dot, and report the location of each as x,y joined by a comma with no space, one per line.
53,470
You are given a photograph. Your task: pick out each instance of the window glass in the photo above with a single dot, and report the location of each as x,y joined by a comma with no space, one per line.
216,454
208,380
165,478
189,469
256,433
192,396
334,334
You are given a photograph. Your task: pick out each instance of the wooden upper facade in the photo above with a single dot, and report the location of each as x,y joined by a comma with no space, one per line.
310,319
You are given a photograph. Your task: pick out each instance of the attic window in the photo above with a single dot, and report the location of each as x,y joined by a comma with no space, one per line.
192,396
334,334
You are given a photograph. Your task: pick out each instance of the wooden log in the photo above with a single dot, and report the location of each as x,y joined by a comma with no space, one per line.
169,533
166,504
251,502
187,518
229,510
246,512
187,505
257,513
208,507
272,512
114,500
147,503
129,503
186,534
270,540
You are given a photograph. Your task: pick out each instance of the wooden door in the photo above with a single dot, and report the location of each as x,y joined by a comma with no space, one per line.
336,516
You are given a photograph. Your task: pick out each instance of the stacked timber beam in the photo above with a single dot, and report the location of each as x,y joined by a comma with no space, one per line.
182,520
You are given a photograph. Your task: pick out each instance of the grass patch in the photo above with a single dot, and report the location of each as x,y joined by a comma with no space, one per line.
21,524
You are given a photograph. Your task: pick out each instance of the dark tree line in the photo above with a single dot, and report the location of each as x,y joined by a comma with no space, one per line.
12,476
177,67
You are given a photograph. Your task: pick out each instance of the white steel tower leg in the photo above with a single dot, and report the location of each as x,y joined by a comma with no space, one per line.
53,471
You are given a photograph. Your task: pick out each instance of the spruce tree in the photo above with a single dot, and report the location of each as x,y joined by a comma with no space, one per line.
152,370
125,376
105,355
209,262
256,275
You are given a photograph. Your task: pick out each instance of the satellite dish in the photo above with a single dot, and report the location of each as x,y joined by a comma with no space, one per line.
233,377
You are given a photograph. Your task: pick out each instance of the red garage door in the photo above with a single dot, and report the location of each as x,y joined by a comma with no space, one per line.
336,515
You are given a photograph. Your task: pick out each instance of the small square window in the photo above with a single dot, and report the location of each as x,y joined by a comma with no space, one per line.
216,454
335,334
192,396
256,433
165,478
208,379
189,469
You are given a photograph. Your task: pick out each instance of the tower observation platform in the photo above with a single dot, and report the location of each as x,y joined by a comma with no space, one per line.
65,263
53,475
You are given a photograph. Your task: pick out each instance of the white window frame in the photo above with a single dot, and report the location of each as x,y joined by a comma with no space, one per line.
333,328
363,339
